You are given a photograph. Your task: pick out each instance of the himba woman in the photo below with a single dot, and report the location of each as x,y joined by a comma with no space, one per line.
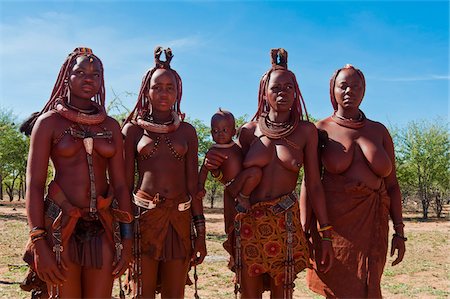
270,246
75,242
164,149
361,191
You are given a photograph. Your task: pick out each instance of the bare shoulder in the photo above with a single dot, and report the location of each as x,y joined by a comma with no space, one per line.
111,123
49,121
187,128
248,128
377,127
324,124
307,128
131,130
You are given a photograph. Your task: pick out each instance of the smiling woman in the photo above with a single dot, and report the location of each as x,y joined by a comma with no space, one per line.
86,213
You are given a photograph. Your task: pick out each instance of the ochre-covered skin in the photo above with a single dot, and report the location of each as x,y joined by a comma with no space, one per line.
361,192
80,80
167,166
280,158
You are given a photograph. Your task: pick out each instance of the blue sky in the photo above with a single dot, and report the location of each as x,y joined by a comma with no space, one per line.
222,48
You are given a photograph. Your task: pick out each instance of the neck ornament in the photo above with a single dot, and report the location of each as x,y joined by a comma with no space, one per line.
276,130
353,123
80,116
226,145
167,127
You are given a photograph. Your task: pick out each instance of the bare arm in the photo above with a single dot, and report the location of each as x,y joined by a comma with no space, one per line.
116,172
199,251
393,190
315,193
129,150
38,157
203,174
312,182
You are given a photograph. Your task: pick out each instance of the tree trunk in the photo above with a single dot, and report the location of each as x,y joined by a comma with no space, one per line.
439,203
10,191
212,196
1,187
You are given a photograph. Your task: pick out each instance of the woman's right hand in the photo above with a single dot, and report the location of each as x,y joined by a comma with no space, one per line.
45,264
214,160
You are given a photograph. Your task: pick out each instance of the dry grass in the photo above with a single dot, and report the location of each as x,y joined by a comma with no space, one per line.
424,273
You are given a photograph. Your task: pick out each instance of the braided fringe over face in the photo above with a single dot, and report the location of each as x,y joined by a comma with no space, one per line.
333,83
279,62
143,105
61,87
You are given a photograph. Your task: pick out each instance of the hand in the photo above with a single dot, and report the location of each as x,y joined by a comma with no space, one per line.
327,258
45,263
199,252
214,160
399,245
126,258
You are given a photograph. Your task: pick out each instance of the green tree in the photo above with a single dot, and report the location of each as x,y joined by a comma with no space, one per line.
13,155
423,161
116,108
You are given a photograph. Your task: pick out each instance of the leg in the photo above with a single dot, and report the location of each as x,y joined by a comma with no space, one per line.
251,287
149,276
98,283
173,278
229,211
72,287
276,292
245,182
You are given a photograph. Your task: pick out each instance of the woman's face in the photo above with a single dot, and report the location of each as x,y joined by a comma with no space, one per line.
85,77
348,89
280,91
163,90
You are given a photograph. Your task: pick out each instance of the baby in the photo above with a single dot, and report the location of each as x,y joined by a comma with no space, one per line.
238,182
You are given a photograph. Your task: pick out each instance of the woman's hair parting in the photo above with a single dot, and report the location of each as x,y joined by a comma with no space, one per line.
143,105
279,59
61,87
333,83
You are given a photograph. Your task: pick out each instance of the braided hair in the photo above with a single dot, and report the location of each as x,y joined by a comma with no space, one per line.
143,105
279,59
61,87
333,83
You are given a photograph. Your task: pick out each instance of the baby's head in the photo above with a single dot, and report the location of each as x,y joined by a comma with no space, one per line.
223,126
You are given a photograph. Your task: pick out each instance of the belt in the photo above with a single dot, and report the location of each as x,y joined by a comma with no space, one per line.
286,202
150,203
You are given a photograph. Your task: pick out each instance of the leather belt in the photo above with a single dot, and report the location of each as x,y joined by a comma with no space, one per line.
150,204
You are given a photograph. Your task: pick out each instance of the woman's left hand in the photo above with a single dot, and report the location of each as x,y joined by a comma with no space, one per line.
199,252
327,258
125,258
399,245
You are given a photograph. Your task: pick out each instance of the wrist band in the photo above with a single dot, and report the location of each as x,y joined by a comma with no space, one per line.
327,239
218,177
400,237
198,217
243,196
325,228
126,231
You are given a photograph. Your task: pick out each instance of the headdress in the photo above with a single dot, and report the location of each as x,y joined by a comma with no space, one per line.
279,59
61,88
143,108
